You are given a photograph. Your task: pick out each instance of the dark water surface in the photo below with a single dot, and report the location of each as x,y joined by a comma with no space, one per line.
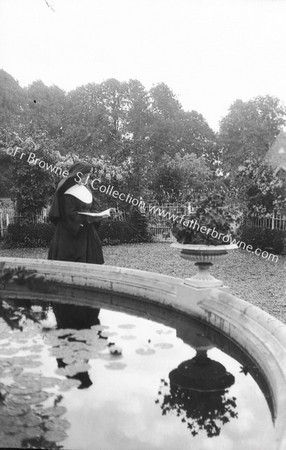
92,378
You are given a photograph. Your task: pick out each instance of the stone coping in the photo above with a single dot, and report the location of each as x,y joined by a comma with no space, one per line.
262,336
214,248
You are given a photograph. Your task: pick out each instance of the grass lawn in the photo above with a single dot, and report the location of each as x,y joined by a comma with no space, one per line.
250,277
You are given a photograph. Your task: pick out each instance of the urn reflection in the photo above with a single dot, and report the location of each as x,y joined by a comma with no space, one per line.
198,389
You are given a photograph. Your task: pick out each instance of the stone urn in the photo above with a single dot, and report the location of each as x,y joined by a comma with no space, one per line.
204,256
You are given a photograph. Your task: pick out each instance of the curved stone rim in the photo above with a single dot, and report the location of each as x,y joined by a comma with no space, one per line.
255,331
202,247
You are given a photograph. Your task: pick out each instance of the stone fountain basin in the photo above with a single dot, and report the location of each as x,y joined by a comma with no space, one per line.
260,335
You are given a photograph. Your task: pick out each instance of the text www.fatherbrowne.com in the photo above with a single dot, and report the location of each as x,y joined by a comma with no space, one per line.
226,238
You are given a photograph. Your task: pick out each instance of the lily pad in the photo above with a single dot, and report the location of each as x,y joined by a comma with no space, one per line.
99,327
55,436
10,441
127,326
32,399
10,410
163,345
115,366
128,337
65,385
24,390
53,411
57,424
145,351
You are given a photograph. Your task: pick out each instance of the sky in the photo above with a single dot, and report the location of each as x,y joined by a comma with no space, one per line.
209,52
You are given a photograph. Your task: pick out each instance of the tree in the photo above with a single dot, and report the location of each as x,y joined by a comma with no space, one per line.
195,136
33,185
249,129
12,101
85,124
262,190
46,107
179,178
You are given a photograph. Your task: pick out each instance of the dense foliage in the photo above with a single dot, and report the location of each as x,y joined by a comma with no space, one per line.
24,233
116,232
214,213
263,238
119,124
28,234
249,129
261,190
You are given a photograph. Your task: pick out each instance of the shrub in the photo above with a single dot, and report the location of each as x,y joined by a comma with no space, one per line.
140,222
263,238
212,213
116,232
29,235
26,234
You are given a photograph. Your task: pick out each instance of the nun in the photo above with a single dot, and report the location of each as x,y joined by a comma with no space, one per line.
75,238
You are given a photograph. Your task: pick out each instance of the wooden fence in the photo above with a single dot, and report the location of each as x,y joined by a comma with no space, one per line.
272,222
9,216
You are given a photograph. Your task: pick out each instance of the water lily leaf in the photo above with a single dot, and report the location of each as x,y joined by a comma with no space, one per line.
57,424
10,410
10,441
145,351
99,327
163,345
32,432
30,364
127,326
24,389
71,359
65,385
57,333
48,382
84,334
115,366
30,420
32,399
11,372
55,436
8,351
28,378
128,337
53,411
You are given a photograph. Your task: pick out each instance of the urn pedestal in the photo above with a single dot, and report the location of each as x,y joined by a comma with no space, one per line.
204,256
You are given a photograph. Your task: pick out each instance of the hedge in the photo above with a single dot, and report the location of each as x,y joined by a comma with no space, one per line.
29,235
40,234
116,232
263,238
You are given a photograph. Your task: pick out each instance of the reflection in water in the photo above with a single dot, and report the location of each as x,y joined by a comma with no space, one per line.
198,393
42,369
198,388
24,420
73,317
16,312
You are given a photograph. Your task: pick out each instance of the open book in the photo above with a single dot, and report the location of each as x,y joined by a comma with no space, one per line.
106,213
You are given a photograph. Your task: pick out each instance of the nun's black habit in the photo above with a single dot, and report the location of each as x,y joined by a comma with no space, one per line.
75,239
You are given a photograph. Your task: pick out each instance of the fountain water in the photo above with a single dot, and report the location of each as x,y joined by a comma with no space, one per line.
249,328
